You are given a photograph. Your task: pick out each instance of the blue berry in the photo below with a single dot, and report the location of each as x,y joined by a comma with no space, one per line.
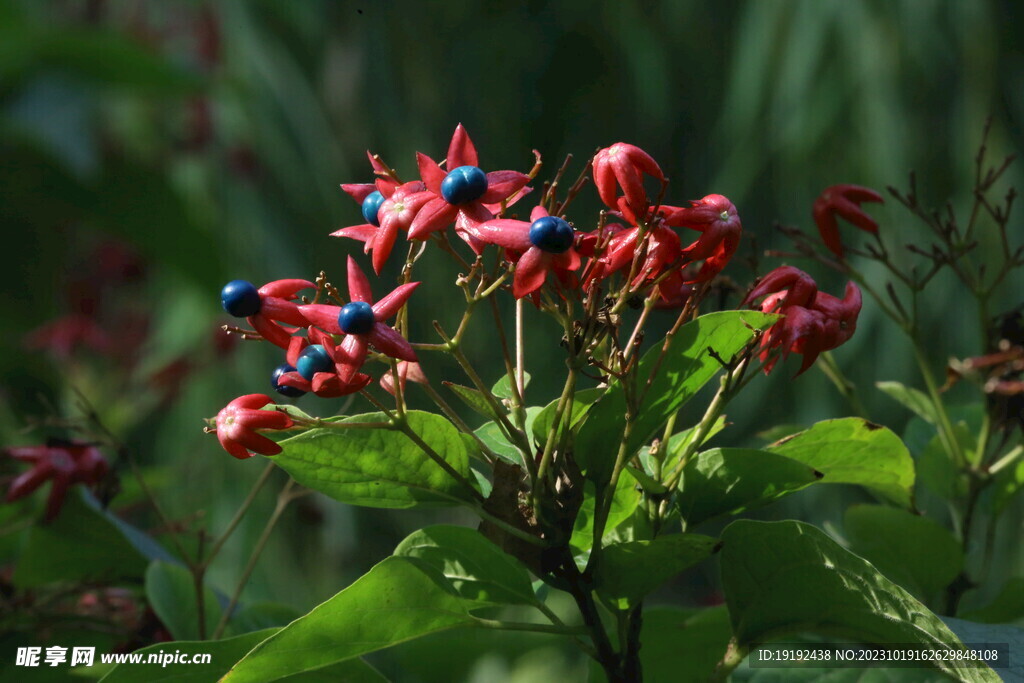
552,235
463,184
356,318
240,298
312,360
284,389
371,205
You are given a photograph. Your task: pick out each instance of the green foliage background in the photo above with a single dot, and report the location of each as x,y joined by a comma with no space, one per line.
765,102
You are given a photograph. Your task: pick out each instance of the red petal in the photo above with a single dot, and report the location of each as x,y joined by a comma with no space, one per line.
55,501
295,347
390,343
378,167
604,179
383,245
294,379
630,180
264,419
353,350
363,232
280,310
358,191
437,214
389,305
27,453
27,482
503,184
430,173
386,186
568,260
271,331
504,232
537,213
258,443
234,448
323,316
461,151
531,270
358,284
285,289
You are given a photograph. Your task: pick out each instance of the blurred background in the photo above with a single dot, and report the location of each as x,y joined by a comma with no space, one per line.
150,152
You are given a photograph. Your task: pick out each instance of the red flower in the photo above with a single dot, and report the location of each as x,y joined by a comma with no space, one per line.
623,164
238,421
814,321
716,217
393,210
663,249
543,244
845,201
323,384
464,190
362,323
64,462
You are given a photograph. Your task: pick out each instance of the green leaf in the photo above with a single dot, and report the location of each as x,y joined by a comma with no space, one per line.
624,502
913,399
581,402
490,434
398,600
854,451
916,552
379,467
474,399
1006,607
629,571
681,373
682,646
477,569
224,653
730,480
503,387
81,544
783,578
256,616
171,593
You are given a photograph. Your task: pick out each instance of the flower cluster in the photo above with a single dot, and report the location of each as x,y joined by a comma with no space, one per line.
813,321
640,248
62,462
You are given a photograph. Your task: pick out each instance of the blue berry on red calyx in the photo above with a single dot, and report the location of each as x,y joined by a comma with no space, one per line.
552,234
240,298
356,318
370,207
312,360
464,184
284,389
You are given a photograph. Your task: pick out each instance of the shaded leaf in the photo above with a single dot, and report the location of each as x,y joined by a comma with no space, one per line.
783,578
629,571
916,552
854,451
730,480
171,593
395,601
